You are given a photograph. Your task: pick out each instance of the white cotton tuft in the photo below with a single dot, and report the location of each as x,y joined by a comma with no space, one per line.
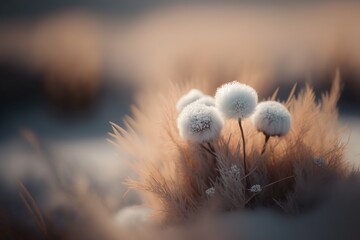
235,171
210,192
199,123
236,100
206,100
255,188
190,97
272,118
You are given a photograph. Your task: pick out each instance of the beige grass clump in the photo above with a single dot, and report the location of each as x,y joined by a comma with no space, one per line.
179,179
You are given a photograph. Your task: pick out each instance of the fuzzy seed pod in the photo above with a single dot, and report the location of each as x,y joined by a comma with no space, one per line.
210,192
207,100
236,100
272,118
190,97
199,123
255,188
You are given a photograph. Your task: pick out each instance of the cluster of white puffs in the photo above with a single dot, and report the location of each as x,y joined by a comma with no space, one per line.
201,117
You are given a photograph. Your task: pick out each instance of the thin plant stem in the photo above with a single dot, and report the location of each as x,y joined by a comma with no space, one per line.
211,150
267,137
33,208
244,153
283,179
270,184
211,147
208,150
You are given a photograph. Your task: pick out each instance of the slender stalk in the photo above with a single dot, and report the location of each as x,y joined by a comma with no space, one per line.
269,185
265,144
283,179
244,153
210,151
211,147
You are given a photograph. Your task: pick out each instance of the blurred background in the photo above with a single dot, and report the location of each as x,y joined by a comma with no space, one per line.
68,68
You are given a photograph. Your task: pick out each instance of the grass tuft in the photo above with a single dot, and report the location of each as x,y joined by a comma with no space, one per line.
292,175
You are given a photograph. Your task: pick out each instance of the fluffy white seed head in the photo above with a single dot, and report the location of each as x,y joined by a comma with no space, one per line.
255,188
272,118
235,171
207,100
236,100
210,192
190,97
199,123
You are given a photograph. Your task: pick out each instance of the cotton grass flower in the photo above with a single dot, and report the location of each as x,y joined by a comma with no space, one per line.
206,100
199,123
238,101
272,118
255,188
210,192
190,97
235,171
293,161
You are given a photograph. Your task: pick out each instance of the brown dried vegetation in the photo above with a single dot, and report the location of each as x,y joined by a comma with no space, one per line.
295,172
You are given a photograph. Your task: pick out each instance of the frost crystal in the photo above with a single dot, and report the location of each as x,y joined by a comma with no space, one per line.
272,118
255,188
190,97
236,100
210,192
199,123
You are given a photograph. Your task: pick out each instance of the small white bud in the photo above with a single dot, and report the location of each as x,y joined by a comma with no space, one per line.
255,188
199,123
234,169
190,97
210,192
272,118
236,100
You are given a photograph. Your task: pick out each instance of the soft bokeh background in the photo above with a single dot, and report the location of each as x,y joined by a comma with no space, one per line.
68,68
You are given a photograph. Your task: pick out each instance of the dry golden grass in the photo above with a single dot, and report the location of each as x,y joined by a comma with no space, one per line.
173,174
